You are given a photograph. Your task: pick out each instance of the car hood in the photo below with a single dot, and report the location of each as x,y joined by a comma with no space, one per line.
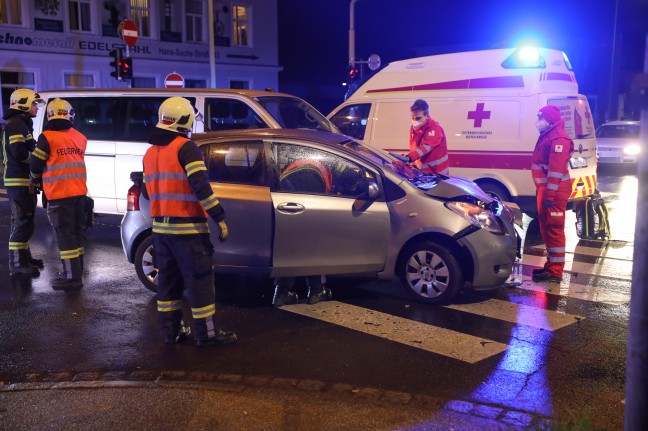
455,187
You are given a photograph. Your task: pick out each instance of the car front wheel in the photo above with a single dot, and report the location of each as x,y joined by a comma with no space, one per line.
430,273
145,268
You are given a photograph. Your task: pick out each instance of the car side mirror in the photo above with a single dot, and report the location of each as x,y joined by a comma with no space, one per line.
373,191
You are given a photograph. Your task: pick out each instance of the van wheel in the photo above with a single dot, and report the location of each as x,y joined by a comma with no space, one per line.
430,273
146,270
496,191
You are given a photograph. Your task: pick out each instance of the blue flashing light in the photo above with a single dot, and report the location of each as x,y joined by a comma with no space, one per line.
525,58
567,62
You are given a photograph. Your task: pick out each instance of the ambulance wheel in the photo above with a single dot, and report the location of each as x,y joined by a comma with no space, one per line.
430,273
496,191
146,270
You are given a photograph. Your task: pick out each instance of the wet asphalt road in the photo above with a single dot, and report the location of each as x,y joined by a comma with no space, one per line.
563,350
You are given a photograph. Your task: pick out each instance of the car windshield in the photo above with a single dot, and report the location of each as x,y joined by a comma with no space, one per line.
618,131
294,113
409,172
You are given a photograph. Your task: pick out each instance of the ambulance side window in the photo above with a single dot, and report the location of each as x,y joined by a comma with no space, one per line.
352,120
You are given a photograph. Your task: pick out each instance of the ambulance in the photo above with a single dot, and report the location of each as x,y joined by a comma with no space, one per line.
486,102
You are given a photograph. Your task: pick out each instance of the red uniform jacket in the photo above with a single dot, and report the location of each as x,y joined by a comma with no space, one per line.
550,162
428,148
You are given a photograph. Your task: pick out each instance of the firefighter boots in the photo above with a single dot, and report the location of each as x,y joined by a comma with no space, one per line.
28,270
220,338
38,263
178,337
323,295
281,298
543,276
62,282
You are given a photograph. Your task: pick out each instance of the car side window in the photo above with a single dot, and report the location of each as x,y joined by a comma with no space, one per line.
352,120
240,162
228,114
94,117
302,169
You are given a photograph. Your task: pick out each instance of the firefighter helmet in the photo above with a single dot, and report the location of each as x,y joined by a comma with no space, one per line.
59,109
23,98
176,114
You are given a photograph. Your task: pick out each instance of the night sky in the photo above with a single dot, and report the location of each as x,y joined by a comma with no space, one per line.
314,36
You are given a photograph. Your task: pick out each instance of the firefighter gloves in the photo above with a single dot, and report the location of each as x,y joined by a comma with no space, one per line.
223,229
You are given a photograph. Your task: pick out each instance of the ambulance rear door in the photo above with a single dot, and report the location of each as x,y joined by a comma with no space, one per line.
579,124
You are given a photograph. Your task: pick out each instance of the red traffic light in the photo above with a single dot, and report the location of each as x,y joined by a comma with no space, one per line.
353,73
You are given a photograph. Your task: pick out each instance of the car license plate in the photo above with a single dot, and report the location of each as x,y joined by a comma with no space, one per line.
577,162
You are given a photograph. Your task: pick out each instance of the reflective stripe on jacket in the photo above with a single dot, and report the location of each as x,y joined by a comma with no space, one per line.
17,144
428,147
64,175
167,184
550,161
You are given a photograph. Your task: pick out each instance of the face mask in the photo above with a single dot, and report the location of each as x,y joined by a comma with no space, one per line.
418,124
542,125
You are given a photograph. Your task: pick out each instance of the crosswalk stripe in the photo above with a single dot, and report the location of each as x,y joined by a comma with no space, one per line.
618,269
578,291
433,339
621,250
519,314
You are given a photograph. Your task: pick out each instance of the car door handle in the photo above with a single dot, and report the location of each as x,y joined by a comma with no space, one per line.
290,207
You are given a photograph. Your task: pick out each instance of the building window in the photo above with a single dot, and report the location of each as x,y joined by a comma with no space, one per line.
143,82
195,83
141,15
241,16
239,84
10,12
79,15
10,81
73,80
194,21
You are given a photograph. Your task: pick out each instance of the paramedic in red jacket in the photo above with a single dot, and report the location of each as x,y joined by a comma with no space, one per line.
550,170
428,147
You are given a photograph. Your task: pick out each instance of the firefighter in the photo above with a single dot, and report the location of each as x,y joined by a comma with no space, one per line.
17,145
176,182
550,171
428,146
58,167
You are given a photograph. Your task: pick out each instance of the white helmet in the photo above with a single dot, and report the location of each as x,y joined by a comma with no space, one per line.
23,98
176,114
59,109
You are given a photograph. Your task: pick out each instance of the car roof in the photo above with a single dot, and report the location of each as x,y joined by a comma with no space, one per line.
321,137
621,123
183,92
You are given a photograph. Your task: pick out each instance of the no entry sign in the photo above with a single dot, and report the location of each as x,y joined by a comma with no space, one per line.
128,31
174,80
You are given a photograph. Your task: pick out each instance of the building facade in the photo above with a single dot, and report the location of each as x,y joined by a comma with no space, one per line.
65,44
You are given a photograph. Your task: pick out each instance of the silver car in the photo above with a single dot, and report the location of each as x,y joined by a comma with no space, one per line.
618,142
376,216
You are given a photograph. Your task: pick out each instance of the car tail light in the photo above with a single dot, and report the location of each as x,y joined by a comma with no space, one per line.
132,200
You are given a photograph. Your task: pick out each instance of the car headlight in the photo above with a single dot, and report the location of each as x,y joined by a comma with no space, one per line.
478,216
632,150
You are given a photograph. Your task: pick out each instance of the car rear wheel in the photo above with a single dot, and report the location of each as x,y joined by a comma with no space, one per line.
146,270
430,273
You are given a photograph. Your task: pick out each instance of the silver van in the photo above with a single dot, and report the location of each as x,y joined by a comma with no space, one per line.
117,123
375,216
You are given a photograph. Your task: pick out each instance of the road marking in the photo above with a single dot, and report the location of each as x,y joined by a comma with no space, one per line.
609,250
519,314
433,339
579,291
619,269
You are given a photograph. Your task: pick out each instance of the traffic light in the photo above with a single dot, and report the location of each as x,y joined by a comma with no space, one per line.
353,73
116,54
126,69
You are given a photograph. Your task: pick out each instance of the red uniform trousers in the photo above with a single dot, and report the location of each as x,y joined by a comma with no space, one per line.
552,228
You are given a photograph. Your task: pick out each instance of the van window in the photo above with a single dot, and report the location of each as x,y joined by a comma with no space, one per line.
240,162
352,120
292,113
576,113
94,117
140,117
228,114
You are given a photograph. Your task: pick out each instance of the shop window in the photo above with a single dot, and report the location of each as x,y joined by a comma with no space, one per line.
73,80
143,82
194,21
141,14
10,12
242,33
239,84
9,81
79,14
195,83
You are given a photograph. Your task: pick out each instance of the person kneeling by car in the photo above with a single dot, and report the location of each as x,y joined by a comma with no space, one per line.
176,182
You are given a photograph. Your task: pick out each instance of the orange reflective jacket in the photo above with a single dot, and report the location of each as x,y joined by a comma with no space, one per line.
167,183
64,175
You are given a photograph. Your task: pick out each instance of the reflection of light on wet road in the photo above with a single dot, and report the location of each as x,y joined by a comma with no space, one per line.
623,209
520,381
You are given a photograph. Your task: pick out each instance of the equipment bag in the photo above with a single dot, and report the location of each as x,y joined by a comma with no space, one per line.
592,218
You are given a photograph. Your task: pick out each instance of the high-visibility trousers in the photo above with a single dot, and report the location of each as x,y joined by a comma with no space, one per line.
552,230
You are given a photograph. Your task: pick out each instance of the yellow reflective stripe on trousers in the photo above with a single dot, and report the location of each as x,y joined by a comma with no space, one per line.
201,313
180,228
69,254
15,182
166,306
18,246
